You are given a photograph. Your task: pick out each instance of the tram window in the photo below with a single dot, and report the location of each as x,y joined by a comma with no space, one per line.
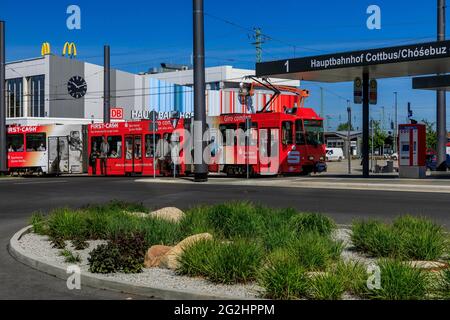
95,143
150,145
224,129
14,142
299,133
36,142
115,147
253,134
287,132
137,147
129,148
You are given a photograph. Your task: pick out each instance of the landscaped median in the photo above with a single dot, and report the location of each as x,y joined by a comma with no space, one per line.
240,250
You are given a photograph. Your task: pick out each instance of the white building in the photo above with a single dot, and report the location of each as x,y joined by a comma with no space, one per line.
56,89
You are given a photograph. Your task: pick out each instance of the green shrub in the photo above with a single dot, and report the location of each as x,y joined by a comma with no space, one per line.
353,276
70,257
222,262
312,222
68,224
235,220
407,238
421,239
104,259
195,221
400,281
132,249
376,238
158,231
277,231
124,254
283,278
327,286
39,223
315,252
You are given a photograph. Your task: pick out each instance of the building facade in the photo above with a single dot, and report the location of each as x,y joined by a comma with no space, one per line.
57,89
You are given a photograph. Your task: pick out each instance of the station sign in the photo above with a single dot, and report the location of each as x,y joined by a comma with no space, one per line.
147,115
357,91
116,113
373,92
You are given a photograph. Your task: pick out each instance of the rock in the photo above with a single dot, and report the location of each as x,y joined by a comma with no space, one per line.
428,265
154,255
170,259
171,214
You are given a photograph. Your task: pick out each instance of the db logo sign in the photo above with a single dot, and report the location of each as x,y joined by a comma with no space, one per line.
117,113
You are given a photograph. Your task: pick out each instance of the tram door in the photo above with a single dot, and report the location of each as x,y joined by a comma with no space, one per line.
133,154
269,162
58,155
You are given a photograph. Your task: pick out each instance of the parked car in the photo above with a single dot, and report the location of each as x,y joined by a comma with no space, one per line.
334,154
431,161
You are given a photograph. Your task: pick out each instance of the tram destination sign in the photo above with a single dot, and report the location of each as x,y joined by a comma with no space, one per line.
423,58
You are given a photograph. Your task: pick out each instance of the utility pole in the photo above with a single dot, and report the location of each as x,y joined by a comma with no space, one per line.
3,150
441,125
200,167
258,44
349,144
395,122
321,103
106,84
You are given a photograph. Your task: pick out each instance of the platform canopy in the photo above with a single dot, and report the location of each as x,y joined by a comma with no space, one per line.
411,60
440,82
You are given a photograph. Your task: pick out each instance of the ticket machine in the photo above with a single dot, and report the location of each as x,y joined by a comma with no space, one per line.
412,150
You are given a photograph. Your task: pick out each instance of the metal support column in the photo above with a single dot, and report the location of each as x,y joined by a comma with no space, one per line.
200,167
349,143
3,151
441,123
106,85
365,124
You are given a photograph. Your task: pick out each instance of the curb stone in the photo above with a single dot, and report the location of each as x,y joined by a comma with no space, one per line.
91,280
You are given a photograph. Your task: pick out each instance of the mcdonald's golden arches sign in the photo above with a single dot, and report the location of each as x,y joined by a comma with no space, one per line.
70,49
45,49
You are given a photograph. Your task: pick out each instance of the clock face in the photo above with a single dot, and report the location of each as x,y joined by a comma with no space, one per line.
77,87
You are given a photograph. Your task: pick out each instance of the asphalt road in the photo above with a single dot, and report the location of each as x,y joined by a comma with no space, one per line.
21,197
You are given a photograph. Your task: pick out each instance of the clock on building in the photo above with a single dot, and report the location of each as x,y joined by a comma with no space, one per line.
77,87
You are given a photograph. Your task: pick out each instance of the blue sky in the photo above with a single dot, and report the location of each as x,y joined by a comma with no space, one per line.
144,33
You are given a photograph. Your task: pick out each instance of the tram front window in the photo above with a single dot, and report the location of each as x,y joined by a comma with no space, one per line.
314,132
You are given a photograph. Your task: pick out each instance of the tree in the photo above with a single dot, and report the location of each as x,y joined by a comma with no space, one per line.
431,134
344,127
379,136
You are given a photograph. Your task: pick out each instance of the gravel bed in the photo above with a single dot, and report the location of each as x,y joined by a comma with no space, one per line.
167,279
153,277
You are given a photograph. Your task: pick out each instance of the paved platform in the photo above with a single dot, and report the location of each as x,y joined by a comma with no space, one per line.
380,183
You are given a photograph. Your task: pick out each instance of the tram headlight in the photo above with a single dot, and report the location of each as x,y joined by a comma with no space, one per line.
322,158
311,158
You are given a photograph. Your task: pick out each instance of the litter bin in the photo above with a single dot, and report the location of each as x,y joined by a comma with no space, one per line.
389,168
